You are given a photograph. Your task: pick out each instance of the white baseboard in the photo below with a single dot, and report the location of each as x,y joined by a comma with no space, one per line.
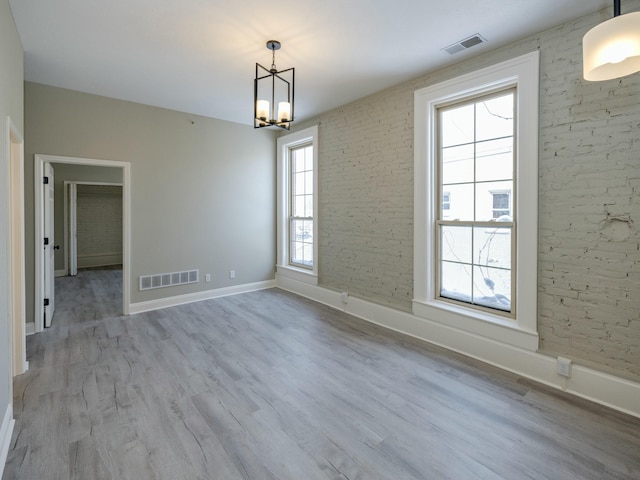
60,273
99,260
6,430
199,296
603,388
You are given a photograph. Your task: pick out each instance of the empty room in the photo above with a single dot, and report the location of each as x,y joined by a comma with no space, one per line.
335,240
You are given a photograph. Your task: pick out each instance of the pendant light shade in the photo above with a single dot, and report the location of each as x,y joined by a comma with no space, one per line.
612,49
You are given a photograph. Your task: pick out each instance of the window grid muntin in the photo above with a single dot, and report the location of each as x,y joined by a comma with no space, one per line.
440,222
304,240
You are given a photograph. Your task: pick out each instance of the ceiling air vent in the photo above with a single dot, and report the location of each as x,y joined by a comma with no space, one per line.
469,42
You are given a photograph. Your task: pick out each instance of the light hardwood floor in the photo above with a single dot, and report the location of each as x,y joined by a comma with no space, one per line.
268,385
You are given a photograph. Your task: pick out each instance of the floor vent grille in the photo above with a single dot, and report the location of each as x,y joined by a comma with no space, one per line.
148,282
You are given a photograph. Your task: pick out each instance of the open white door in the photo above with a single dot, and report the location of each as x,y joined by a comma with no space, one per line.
73,232
49,248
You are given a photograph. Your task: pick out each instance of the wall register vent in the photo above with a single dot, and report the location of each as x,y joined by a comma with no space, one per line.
465,44
148,282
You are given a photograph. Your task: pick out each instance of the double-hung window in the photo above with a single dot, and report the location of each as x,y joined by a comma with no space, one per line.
475,202
301,206
475,241
297,205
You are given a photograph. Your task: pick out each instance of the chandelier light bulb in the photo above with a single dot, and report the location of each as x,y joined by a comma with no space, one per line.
263,110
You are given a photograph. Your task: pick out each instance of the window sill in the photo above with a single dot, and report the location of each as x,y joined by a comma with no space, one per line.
480,323
299,274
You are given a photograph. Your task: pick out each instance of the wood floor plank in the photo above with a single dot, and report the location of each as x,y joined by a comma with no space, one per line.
269,385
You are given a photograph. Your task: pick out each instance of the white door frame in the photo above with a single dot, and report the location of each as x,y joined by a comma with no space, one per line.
70,222
70,227
49,248
39,162
16,281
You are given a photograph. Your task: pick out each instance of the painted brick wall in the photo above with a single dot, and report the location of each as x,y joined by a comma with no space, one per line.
589,202
589,207
366,213
99,225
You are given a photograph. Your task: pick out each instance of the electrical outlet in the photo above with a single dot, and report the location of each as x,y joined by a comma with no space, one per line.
207,277
564,367
232,274
344,296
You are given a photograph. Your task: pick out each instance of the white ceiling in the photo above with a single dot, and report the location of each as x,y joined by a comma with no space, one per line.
199,56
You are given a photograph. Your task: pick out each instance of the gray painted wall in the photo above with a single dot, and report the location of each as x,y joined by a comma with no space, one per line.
589,199
11,104
203,190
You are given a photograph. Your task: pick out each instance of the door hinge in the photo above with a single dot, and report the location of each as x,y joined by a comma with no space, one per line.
46,302
45,180
46,241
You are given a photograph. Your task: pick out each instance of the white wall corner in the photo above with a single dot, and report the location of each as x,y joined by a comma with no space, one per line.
605,389
6,430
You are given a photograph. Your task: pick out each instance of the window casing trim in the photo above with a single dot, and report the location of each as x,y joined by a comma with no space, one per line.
283,184
523,73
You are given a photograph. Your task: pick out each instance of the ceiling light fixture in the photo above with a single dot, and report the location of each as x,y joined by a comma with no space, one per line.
273,88
612,49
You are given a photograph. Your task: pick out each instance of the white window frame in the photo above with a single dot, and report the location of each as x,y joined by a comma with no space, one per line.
284,146
523,73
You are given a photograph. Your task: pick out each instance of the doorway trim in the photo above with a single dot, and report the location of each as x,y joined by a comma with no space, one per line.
16,283
39,162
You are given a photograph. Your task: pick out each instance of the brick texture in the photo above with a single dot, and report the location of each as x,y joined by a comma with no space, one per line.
589,199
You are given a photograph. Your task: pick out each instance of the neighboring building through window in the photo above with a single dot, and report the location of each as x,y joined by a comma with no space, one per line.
446,201
501,204
297,249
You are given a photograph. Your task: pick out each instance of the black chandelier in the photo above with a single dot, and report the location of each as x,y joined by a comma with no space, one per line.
273,93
